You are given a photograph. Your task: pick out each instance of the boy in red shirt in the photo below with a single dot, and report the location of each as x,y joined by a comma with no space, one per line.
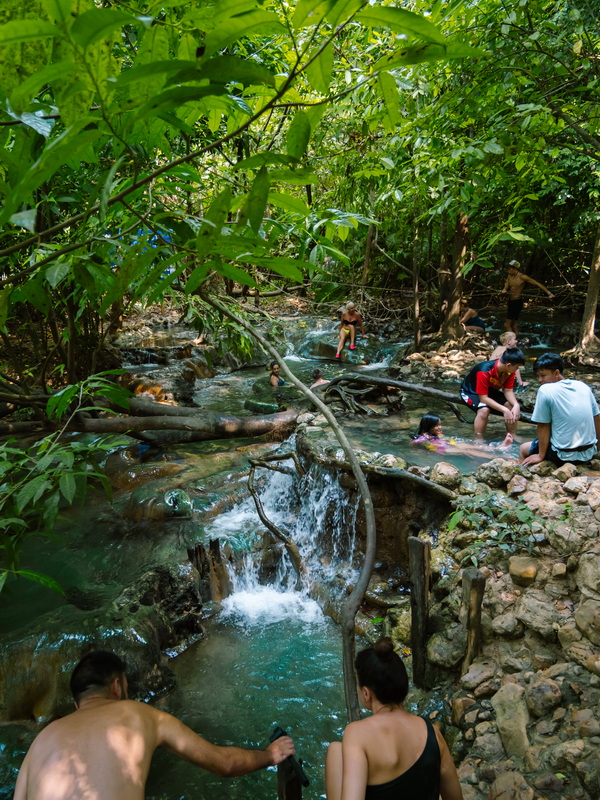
489,388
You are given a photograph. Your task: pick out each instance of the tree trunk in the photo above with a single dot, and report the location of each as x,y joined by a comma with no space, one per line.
588,341
199,426
451,328
444,268
369,248
416,304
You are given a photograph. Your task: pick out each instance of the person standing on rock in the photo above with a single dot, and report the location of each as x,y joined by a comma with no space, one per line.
567,417
489,389
350,319
514,285
103,750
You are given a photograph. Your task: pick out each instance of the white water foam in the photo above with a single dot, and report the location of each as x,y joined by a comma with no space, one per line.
265,605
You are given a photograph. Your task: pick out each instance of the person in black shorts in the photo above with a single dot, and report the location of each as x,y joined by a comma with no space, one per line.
489,389
514,285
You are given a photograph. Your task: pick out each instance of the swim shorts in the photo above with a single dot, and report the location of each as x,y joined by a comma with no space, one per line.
472,399
514,308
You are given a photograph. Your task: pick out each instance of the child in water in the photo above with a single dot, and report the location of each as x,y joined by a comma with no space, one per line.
430,435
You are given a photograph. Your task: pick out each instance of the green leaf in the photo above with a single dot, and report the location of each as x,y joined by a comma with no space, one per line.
401,21
259,160
493,147
298,135
26,30
107,187
388,89
289,203
318,71
3,577
226,69
213,223
296,177
311,12
31,492
25,219
233,273
342,10
174,98
39,577
57,272
287,267
58,403
420,54
455,519
254,209
98,23
197,277
67,486
233,28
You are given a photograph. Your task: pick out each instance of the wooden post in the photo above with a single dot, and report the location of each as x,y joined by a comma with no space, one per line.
473,585
288,783
419,558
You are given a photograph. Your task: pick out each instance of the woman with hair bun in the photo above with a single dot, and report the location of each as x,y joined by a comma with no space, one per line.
393,754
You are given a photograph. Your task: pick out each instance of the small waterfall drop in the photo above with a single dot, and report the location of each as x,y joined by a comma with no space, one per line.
318,514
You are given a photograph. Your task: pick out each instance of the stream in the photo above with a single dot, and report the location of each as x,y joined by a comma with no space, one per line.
270,656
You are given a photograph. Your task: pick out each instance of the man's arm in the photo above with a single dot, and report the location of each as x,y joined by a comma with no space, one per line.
597,427
543,435
514,404
533,282
225,761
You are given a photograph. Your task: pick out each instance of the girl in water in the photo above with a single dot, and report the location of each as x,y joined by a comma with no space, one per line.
430,435
393,753
274,378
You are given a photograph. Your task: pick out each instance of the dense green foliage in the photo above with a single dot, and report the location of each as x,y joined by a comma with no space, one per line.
179,147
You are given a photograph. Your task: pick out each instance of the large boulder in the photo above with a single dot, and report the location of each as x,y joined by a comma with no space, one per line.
512,717
536,612
497,472
448,648
587,618
446,475
542,696
587,576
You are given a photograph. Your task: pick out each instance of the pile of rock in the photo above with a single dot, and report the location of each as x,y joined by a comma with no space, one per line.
526,718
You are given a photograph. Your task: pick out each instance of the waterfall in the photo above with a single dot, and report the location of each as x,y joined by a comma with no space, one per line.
318,514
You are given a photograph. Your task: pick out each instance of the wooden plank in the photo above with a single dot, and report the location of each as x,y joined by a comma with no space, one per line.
419,560
473,585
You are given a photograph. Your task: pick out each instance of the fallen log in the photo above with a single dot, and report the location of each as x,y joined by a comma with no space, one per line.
439,394
199,427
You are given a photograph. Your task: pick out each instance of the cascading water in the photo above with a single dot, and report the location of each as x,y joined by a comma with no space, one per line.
313,510
271,656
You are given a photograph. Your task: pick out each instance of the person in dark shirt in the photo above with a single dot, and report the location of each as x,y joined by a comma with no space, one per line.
489,389
392,754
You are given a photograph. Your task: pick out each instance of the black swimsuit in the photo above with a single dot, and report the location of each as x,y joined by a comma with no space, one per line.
421,781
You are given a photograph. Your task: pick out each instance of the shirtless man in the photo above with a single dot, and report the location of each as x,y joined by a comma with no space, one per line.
103,750
514,285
